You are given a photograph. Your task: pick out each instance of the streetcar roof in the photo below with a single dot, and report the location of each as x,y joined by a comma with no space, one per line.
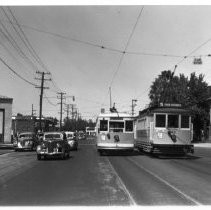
114,114
173,110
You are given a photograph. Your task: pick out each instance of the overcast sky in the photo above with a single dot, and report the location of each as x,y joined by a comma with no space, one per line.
81,68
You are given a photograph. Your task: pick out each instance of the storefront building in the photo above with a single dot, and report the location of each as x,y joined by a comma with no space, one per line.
5,119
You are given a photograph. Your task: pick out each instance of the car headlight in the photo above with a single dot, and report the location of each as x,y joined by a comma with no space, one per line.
39,148
71,143
58,145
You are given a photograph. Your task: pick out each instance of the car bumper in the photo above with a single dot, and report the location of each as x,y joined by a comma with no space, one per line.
50,153
111,146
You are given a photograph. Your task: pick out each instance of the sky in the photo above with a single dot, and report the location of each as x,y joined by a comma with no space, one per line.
69,40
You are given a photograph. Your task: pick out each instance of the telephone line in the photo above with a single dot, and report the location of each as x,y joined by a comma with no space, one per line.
18,33
11,69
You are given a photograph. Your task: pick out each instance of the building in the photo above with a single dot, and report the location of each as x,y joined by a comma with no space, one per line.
5,119
28,123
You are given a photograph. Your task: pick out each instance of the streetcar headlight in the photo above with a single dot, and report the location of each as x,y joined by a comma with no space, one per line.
103,137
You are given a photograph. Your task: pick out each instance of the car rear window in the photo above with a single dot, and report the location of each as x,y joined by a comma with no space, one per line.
26,136
53,136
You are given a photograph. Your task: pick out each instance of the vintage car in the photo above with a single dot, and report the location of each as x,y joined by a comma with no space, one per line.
72,140
25,141
54,144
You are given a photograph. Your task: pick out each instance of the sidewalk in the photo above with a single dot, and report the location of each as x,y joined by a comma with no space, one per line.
6,146
203,144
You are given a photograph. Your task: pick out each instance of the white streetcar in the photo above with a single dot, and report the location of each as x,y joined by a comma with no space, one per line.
115,131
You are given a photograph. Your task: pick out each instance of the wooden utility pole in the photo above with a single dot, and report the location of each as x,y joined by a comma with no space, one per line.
33,111
41,93
61,97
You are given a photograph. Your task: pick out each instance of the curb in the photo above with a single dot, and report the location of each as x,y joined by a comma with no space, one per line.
6,146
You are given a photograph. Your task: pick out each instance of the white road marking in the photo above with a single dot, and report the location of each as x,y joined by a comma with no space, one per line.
167,183
132,201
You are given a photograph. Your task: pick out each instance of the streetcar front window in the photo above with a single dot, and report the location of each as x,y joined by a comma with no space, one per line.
103,125
160,121
173,121
116,126
128,125
184,121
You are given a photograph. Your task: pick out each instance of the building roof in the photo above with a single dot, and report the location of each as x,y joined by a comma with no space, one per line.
5,99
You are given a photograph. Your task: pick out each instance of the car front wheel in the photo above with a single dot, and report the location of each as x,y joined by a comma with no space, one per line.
38,157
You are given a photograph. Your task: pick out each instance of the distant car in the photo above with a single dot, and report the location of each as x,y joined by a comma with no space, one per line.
72,140
81,135
53,144
25,141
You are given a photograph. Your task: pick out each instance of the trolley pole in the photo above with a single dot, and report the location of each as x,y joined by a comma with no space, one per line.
133,105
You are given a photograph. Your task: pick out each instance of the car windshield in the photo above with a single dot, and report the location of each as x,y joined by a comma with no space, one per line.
53,136
69,135
26,135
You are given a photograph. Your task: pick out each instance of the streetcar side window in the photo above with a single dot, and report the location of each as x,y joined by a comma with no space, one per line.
116,126
160,121
173,121
128,125
103,125
185,121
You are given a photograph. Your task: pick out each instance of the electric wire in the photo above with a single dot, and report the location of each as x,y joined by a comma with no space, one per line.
11,69
22,35
30,48
47,98
98,45
11,40
126,46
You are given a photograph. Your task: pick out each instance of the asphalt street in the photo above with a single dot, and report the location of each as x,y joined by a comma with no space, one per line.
114,179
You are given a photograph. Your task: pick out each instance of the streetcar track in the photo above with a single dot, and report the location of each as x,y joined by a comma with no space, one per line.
182,194
131,199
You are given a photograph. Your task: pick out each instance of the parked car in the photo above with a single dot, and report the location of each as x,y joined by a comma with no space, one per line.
53,144
25,141
72,140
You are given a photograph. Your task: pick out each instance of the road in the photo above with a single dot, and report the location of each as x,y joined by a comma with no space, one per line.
122,179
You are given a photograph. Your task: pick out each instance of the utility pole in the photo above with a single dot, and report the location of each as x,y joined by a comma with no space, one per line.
133,105
61,106
33,111
41,93
68,110
110,96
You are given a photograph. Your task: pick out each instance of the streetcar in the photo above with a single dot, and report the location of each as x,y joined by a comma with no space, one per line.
166,129
115,131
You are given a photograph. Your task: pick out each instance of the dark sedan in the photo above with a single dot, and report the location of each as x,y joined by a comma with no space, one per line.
54,144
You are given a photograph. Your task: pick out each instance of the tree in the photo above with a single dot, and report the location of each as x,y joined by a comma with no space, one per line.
190,92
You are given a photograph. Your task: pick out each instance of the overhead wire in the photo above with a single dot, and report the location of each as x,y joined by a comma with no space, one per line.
125,49
12,41
17,74
27,43
126,46
98,45
22,36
